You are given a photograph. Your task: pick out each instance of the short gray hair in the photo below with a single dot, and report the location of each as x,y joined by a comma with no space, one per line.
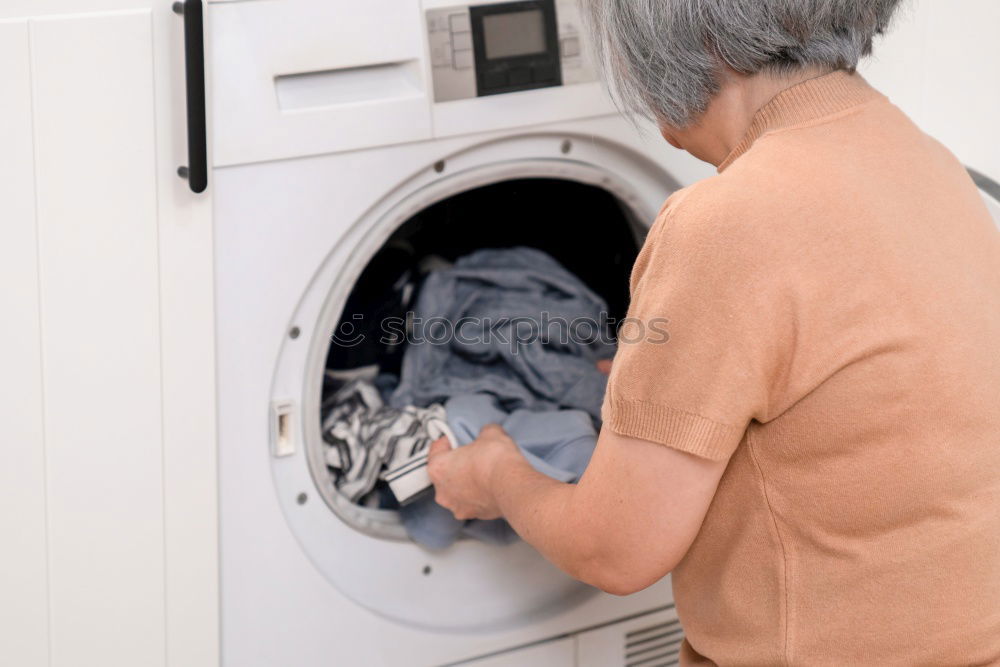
662,58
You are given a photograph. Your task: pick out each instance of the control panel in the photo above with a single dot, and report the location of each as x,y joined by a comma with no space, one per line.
505,47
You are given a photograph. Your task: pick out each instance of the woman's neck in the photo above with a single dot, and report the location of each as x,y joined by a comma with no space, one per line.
716,132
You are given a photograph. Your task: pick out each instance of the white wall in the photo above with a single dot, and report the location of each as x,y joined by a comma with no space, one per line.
941,64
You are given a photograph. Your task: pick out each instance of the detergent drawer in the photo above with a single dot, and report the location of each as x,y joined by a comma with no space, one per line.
308,77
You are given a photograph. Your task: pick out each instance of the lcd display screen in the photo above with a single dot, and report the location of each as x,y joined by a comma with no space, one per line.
514,34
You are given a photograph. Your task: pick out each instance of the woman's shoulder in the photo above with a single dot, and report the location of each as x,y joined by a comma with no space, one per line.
718,222
744,207
707,211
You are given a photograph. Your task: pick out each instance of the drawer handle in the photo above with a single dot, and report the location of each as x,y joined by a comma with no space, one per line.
196,171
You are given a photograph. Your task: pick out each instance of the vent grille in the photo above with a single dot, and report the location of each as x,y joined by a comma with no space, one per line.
655,645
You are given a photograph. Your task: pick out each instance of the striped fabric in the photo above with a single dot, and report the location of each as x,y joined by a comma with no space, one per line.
368,440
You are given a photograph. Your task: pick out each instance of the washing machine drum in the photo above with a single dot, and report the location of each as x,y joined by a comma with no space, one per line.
364,551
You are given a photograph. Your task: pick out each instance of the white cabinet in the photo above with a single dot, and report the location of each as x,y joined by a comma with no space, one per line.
107,457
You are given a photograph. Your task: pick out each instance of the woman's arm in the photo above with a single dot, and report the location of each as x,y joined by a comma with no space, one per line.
627,523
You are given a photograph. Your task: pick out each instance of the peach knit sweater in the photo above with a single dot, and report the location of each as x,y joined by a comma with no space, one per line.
833,298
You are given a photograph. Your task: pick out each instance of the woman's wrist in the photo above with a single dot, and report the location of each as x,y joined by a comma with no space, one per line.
500,465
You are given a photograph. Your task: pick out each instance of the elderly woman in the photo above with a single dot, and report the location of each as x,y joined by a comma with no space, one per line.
815,452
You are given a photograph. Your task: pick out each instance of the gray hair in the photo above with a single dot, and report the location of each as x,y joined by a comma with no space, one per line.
662,58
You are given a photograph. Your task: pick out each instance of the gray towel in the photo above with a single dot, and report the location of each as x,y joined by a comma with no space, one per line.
496,294
557,443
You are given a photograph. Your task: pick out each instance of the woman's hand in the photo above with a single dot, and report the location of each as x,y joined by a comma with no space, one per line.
463,477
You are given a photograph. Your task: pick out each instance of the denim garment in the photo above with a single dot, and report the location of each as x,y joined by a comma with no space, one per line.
491,298
557,443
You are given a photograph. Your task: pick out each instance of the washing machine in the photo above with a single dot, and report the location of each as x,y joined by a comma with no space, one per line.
342,131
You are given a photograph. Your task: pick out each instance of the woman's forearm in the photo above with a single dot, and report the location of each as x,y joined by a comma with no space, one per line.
544,513
628,521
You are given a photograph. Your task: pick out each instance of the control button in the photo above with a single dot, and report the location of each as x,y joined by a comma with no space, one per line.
520,76
463,59
460,22
545,73
570,47
437,22
494,80
440,55
461,40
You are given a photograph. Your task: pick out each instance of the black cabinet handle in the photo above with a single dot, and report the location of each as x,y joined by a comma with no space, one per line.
196,171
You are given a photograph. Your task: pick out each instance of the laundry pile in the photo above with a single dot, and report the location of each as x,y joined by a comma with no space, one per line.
494,297
511,357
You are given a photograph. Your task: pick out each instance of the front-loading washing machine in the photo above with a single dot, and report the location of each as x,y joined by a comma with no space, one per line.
340,127
343,130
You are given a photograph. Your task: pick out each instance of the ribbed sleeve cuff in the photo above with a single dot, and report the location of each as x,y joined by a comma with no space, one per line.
671,427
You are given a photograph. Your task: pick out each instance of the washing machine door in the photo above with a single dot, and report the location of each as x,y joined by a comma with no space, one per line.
364,551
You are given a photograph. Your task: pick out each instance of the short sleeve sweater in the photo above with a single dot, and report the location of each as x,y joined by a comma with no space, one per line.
825,315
